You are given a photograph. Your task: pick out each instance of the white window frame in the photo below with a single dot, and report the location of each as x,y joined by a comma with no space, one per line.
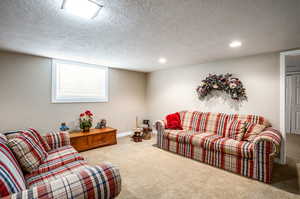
55,99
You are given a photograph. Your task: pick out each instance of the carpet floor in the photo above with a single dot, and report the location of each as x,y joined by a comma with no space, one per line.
152,173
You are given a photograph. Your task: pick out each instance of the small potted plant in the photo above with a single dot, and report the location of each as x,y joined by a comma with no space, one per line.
86,120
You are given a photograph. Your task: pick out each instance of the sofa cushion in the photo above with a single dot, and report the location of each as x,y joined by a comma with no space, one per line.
40,139
235,130
211,141
224,145
186,118
197,121
46,177
176,135
35,133
57,139
27,149
57,158
252,130
250,118
215,122
11,176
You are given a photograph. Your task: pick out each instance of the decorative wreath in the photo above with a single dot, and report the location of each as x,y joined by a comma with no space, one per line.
231,85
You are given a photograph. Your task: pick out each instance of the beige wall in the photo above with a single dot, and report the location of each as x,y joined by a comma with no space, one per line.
25,97
174,89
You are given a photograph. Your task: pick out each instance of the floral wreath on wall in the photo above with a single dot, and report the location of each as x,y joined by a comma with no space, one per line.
231,85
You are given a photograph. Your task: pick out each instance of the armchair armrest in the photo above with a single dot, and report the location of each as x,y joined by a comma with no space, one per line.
269,135
57,139
102,181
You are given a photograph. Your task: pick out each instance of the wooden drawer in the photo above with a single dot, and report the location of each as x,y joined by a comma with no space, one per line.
102,139
80,143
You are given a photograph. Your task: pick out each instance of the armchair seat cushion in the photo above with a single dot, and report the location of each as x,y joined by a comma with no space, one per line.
57,158
48,176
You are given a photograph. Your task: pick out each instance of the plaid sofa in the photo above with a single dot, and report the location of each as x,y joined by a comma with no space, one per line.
63,174
202,139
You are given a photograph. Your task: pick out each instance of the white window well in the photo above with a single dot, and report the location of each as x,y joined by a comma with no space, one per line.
78,82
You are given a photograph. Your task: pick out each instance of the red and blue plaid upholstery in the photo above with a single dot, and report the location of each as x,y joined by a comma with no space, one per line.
206,138
56,173
28,150
57,139
102,181
57,158
35,133
63,174
11,176
40,138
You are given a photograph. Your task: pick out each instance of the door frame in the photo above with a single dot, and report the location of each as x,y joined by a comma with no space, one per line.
282,101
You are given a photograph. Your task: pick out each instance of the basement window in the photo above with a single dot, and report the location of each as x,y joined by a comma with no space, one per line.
78,82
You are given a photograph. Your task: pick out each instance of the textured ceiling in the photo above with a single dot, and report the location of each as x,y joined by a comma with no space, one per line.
133,34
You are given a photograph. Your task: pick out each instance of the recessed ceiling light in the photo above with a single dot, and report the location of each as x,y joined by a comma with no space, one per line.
235,44
88,9
162,60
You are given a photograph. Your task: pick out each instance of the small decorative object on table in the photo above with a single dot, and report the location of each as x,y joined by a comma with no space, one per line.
146,122
86,121
64,127
147,133
101,124
137,136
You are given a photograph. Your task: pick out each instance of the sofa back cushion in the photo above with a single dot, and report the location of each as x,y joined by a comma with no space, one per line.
235,130
251,118
186,118
11,176
29,152
215,122
204,122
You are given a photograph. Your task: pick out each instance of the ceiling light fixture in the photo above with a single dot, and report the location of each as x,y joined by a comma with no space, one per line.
88,9
162,60
235,44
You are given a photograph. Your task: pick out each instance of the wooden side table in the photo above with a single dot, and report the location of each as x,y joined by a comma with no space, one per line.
82,141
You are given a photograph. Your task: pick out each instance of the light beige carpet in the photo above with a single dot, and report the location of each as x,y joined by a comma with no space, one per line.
151,173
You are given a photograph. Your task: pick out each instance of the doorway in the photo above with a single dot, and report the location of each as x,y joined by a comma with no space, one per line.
292,94
290,115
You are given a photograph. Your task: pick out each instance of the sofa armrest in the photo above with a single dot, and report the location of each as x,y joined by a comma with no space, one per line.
57,139
160,125
160,128
269,135
101,181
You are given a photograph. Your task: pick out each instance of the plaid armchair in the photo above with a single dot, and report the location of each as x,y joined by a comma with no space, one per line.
203,138
63,174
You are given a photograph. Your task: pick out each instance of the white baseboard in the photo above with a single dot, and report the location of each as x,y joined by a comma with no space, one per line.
124,134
